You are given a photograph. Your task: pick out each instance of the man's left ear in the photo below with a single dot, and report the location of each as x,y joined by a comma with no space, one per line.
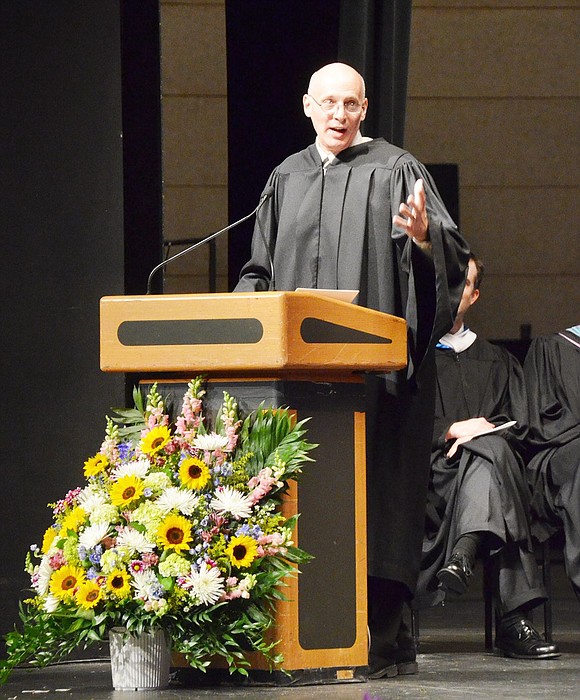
364,109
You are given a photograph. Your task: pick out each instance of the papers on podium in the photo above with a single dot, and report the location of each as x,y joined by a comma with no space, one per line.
348,295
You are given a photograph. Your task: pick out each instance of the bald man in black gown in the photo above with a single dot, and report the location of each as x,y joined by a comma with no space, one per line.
351,212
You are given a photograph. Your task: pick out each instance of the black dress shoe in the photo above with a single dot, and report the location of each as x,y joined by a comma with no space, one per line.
399,660
401,663
380,667
520,640
454,576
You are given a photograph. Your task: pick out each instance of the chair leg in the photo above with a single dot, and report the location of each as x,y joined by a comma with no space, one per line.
547,578
415,626
488,605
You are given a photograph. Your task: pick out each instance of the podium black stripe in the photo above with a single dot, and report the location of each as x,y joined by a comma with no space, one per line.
315,330
223,331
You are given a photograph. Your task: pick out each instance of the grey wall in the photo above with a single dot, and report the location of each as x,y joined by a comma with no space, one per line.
494,87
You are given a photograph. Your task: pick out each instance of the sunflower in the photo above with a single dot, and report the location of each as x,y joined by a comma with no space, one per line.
175,533
48,539
88,595
73,520
126,490
65,580
194,473
95,465
242,550
155,440
118,583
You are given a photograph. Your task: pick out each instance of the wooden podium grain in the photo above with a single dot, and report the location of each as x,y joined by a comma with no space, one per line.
309,353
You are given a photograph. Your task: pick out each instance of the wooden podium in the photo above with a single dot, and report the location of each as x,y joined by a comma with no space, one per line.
310,353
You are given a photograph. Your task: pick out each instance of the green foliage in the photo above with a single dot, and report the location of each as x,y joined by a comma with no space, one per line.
131,420
272,437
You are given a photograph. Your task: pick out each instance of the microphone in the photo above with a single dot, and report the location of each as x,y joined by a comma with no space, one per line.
268,192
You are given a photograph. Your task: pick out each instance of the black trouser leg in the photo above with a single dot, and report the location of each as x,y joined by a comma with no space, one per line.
386,600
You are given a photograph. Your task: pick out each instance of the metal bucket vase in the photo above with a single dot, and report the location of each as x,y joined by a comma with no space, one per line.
139,662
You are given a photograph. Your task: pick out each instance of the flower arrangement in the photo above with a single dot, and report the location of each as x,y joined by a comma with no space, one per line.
177,528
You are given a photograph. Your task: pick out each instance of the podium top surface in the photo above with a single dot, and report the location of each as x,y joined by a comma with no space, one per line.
247,332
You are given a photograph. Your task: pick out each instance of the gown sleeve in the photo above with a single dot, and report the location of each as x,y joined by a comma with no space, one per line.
435,279
551,373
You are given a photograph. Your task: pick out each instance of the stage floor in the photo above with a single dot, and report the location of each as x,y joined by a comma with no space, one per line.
452,660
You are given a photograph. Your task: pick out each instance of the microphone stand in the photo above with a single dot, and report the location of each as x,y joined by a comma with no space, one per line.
203,241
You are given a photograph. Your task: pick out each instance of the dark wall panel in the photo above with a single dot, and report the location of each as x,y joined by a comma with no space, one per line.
61,222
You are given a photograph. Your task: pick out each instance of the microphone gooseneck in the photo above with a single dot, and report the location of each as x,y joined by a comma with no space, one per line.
271,286
265,196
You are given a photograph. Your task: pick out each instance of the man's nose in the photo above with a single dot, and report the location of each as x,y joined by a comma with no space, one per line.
339,107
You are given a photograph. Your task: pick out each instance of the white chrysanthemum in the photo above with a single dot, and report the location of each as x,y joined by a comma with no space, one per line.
137,467
134,541
50,604
205,586
175,498
93,534
210,442
90,499
43,574
229,500
144,582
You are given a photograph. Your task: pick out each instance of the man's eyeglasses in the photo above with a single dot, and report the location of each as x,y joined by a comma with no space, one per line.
328,105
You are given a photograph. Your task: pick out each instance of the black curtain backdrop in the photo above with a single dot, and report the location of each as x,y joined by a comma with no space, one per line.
272,50
142,163
374,37
72,165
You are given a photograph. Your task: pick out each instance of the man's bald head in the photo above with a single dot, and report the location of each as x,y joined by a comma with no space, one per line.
336,104
333,72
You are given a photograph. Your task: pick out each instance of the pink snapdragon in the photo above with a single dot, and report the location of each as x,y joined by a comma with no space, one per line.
190,418
109,449
219,456
237,589
232,435
270,545
261,484
155,419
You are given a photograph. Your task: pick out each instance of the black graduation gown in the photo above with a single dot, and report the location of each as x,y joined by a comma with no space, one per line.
552,372
482,487
335,230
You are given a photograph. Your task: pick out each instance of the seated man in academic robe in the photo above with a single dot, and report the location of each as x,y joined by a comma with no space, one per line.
552,374
478,500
